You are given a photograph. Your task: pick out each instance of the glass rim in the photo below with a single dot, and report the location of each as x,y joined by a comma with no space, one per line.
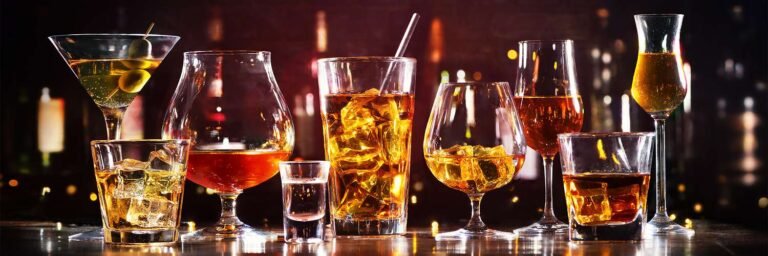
368,59
112,35
148,141
305,162
659,15
543,41
227,52
604,134
474,83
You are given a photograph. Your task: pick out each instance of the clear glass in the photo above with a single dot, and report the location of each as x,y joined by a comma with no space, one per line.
304,187
659,86
606,177
113,68
229,105
367,111
547,98
474,143
141,184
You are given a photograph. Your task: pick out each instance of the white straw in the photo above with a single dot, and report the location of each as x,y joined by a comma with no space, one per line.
401,49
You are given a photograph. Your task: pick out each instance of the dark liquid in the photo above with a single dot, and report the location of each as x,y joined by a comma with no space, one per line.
544,117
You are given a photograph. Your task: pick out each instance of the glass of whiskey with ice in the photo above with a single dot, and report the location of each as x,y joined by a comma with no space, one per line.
606,178
140,183
304,200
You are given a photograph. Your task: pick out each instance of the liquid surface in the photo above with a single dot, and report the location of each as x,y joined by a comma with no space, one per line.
659,83
367,138
474,169
113,83
232,171
606,198
544,117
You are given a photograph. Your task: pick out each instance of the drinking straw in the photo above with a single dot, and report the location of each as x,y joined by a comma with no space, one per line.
401,49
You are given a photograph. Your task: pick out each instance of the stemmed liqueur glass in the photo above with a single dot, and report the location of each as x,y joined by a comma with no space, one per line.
658,87
229,105
474,144
547,98
113,69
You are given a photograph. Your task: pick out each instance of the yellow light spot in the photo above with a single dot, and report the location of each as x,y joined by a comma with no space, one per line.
515,199
468,133
512,54
71,189
191,226
414,200
681,187
210,191
533,56
397,185
688,223
555,65
697,207
13,183
435,227
58,225
615,160
93,197
672,217
45,191
600,150
540,210
763,202
477,76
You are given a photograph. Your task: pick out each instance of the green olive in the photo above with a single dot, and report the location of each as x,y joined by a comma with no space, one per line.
136,64
132,81
140,49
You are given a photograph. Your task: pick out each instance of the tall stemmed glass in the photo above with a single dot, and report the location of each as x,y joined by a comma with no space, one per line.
474,144
113,68
658,87
229,105
547,98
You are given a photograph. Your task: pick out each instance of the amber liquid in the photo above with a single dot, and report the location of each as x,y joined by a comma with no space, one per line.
596,199
367,141
474,169
232,171
544,117
659,83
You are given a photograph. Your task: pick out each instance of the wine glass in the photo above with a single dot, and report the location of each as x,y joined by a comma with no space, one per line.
229,105
113,68
474,144
547,98
658,87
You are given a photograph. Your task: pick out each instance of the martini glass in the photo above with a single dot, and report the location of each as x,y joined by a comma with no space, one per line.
113,68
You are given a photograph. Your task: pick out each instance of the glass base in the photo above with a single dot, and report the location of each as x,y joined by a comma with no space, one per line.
543,227
463,234
141,237
385,227
89,236
666,227
212,234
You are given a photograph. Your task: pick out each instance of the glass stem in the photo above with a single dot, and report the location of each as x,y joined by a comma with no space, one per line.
228,222
114,119
549,213
661,173
475,223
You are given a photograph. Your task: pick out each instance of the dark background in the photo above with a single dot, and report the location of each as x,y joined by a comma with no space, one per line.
717,153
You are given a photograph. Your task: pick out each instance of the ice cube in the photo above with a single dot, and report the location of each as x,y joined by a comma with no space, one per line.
625,201
394,137
162,183
132,164
151,212
130,183
590,201
160,160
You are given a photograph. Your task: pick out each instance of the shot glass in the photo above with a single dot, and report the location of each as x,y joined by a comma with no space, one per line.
140,183
304,198
606,178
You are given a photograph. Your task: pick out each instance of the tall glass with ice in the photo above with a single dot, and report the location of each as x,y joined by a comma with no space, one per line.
141,183
367,110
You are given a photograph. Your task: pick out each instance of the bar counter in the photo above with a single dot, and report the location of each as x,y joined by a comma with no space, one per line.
34,238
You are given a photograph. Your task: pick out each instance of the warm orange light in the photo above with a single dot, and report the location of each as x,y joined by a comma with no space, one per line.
71,189
13,183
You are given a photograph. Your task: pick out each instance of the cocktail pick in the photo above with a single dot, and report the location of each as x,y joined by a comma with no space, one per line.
401,49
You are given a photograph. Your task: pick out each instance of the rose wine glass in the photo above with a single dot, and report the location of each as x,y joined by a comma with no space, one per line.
547,98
